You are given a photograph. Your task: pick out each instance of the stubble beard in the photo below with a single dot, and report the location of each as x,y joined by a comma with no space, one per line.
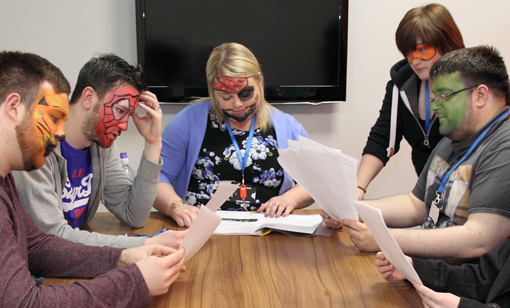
466,128
29,145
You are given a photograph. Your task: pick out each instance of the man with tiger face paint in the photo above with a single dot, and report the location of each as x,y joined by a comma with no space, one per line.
85,168
33,107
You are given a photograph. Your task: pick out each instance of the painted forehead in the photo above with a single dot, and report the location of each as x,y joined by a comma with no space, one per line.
121,95
49,101
230,84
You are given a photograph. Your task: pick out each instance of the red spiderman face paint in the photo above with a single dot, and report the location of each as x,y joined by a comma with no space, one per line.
238,97
114,114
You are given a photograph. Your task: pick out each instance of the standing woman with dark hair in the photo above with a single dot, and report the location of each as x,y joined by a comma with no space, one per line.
423,36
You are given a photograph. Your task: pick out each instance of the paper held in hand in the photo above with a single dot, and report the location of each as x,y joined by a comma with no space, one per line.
325,173
251,223
372,217
206,221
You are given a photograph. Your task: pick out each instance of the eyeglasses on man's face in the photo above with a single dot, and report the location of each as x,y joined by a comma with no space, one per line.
441,98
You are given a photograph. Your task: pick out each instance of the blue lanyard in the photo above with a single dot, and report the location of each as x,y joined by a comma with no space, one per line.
428,121
248,144
470,150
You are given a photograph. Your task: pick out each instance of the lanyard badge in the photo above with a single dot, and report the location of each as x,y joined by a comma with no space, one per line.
438,203
242,159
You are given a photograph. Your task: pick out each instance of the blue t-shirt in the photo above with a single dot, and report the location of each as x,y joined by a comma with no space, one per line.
76,193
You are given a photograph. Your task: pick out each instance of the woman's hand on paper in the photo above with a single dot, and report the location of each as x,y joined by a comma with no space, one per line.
330,222
277,206
360,235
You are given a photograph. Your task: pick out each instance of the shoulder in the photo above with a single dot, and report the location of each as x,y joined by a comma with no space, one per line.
194,111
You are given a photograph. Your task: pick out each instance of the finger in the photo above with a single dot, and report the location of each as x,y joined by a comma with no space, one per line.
280,210
179,221
288,210
380,255
187,220
323,214
161,250
151,110
262,208
172,259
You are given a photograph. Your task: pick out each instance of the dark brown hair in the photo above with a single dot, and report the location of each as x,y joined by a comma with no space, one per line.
434,25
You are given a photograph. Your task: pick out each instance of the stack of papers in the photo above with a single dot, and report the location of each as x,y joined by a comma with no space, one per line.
251,223
328,175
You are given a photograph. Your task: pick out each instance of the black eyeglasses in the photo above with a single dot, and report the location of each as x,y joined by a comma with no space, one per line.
441,98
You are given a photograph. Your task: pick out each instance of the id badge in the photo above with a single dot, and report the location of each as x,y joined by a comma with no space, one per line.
434,212
248,192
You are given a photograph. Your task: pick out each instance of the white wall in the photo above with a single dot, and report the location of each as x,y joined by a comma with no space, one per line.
68,33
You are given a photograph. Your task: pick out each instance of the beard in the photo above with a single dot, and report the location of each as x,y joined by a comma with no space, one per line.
32,152
240,118
466,128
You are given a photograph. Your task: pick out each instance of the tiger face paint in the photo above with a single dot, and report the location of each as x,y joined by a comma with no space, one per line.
114,114
238,98
39,132
50,113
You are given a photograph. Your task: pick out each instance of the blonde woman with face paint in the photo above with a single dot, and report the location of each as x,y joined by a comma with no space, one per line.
423,36
233,135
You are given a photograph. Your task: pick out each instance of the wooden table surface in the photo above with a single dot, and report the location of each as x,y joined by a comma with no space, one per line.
272,271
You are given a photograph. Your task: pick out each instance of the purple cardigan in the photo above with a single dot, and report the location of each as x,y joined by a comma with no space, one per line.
185,133
27,250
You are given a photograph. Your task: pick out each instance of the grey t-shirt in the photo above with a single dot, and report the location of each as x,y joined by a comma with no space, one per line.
479,184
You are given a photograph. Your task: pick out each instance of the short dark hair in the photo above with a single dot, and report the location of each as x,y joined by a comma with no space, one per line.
476,65
106,72
23,73
433,24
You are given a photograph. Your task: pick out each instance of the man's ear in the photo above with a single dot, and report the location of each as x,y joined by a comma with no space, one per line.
88,97
13,107
480,96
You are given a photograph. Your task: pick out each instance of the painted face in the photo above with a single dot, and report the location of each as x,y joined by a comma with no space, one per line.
456,120
38,135
422,59
114,114
238,98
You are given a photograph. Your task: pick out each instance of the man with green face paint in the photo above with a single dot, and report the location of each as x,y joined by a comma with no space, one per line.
458,195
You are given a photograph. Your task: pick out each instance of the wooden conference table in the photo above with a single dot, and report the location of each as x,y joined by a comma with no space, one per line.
271,271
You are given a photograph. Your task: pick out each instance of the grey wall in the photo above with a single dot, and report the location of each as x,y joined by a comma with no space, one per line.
68,33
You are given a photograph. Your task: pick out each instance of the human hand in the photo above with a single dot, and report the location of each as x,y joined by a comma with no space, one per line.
149,126
277,206
360,235
432,299
184,215
132,255
330,222
361,194
387,269
168,238
160,272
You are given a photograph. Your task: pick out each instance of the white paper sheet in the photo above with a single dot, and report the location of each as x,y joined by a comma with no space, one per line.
200,231
325,173
375,223
224,191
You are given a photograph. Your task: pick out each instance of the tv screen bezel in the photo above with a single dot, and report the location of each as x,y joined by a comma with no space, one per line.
292,94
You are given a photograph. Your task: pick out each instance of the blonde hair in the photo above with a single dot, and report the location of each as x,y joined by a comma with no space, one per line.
235,60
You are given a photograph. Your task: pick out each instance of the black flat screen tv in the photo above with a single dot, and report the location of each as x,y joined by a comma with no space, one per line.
301,45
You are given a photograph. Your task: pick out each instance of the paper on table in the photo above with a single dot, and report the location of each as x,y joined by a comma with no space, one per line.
200,231
221,194
375,223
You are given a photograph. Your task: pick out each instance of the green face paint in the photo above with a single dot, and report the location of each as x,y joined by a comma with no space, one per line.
454,115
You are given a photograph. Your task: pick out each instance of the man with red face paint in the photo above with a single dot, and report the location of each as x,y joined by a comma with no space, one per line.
233,135
85,169
33,108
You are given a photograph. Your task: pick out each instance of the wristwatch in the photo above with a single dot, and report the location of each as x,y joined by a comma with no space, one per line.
175,204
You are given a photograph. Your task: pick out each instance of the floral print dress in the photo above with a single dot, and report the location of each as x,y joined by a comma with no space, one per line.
218,161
